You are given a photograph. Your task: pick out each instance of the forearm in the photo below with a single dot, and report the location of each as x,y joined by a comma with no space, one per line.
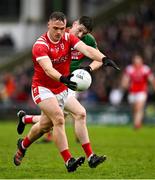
151,79
153,84
90,52
49,69
124,82
53,73
95,65
94,54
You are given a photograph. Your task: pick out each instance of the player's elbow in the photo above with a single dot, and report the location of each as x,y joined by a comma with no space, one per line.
89,51
92,53
100,64
47,71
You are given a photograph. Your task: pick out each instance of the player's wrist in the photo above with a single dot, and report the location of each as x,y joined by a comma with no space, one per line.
109,62
87,68
104,60
62,79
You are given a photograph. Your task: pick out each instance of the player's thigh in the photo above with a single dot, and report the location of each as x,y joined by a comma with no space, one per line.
139,105
73,106
51,109
45,122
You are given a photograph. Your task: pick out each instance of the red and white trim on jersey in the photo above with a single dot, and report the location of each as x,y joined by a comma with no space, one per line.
41,93
41,57
76,44
66,36
42,41
39,42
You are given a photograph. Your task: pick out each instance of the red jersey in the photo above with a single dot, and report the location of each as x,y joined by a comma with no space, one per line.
75,54
138,78
60,55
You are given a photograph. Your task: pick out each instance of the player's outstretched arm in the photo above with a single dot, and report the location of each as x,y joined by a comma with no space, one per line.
96,55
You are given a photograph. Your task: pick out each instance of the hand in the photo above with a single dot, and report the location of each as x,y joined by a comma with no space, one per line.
70,84
108,62
87,68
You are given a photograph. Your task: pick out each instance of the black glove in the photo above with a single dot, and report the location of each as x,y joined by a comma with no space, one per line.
108,62
87,68
66,80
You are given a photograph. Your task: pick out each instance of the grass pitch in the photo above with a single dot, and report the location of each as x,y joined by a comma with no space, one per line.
131,154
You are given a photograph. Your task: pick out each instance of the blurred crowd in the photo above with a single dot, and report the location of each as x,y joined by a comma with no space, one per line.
15,86
119,39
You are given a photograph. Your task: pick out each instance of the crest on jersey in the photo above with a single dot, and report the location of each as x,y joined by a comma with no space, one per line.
62,46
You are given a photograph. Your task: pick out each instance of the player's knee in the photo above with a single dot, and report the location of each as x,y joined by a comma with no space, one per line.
45,126
59,119
45,130
81,115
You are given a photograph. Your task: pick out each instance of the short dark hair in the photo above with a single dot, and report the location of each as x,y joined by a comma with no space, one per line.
57,15
87,22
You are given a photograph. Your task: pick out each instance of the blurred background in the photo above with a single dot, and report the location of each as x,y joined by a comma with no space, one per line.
122,27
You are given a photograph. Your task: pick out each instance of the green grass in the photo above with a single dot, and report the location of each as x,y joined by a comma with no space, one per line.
131,154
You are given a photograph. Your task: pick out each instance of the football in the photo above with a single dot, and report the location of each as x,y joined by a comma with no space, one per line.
82,78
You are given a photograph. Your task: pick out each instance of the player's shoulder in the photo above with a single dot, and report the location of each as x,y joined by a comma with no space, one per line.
129,68
42,41
42,38
67,36
89,40
90,37
146,68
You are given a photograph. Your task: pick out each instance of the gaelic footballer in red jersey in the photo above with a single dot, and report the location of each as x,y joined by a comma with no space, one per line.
51,58
136,77
51,79
81,29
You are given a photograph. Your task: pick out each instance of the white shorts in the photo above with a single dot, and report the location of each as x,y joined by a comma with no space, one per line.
40,93
72,93
135,97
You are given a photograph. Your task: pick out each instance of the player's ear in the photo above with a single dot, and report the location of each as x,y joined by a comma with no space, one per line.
48,24
75,23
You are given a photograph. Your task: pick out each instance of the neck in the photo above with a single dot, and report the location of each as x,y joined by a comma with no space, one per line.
70,30
50,38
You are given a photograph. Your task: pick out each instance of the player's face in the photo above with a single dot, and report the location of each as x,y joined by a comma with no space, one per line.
137,60
79,30
56,29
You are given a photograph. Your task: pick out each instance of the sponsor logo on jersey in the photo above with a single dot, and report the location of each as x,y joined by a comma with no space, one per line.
60,59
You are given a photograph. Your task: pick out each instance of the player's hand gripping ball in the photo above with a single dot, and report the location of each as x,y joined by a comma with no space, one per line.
82,78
